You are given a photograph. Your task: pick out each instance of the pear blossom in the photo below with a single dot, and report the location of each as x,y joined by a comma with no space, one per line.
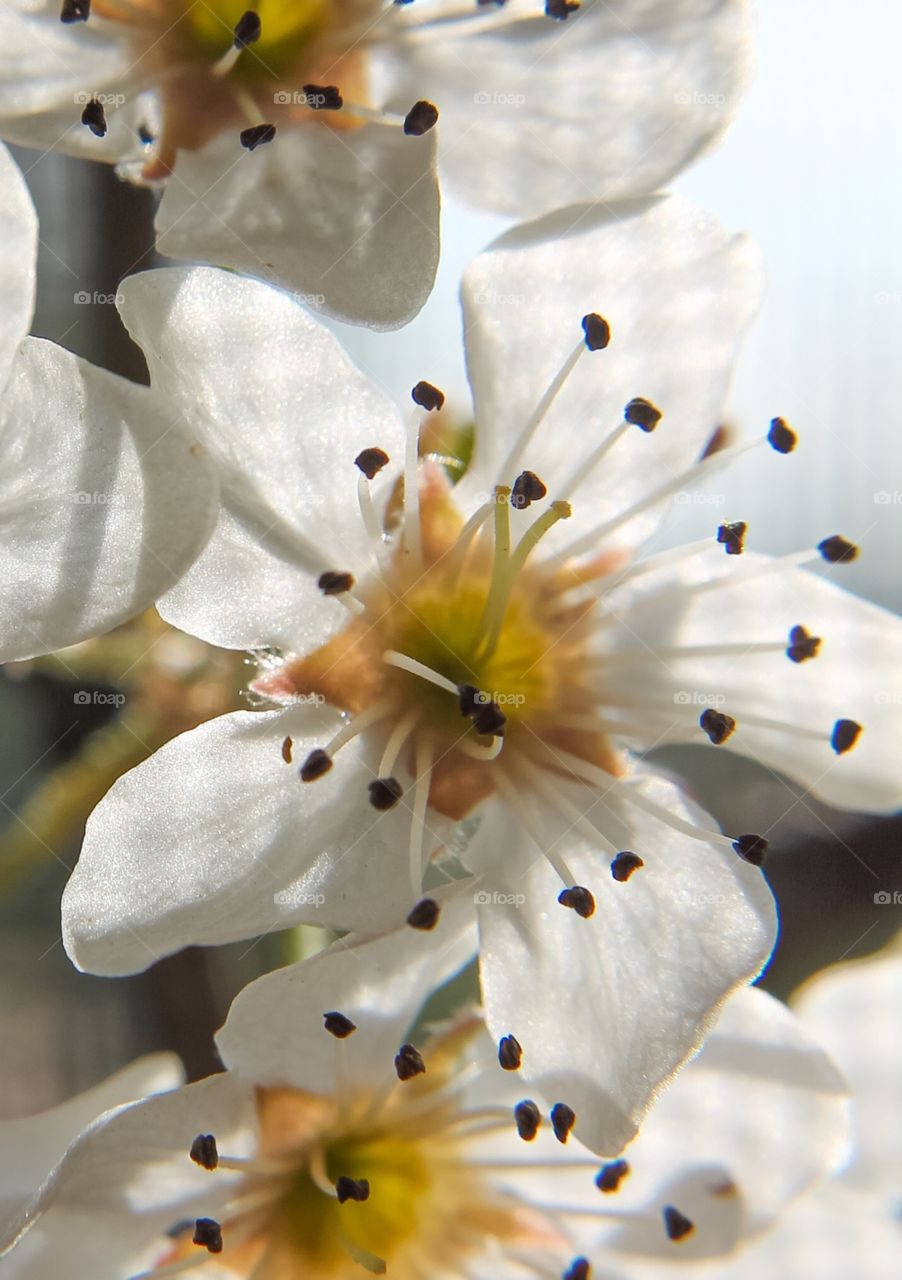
295,139
105,498
343,1137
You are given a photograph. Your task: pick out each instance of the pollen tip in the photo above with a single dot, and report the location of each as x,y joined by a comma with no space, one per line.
781,436
676,1224
642,413
510,1053
208,1234
579,1269
424,915
563,1118
562,509
731,535
838,550
427,396
357,1189
371,461
844,736
578,899
560,10
528,1119
717,725
488,718
384,793
204,1151
597,331
468,696
323,97
625,864
338,1025
409,1062
75,11
610,1175
527,488
802,645
247,29
256,136
421,117
751,848
94,118
334,582
317,763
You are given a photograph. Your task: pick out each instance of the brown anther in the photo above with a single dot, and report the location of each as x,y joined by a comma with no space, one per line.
256,136
528,1119
489,720
384,793
424,915
335,583
579,1269
204,1151
732,537
93,118
751,848
610,1176
208,1234
75,11
427,396
371,461
844,736
560,9
357,1189
322,97
625,864
317,763
563,1118
781,436
510,1054
469,697
676,1224
802,646
642,413
286,749
409,1062
421,117
527,488
838,550
579,900
597,331
338,1025
247,29
717,725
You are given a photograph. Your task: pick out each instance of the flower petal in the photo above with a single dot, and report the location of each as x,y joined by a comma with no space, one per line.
216,838
107,501
346,218
613,102
17,261
646,973
677,292
283,413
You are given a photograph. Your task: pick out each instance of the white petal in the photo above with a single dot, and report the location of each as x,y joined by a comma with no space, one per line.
106,501
855,676
216,838
284,413
275,1033
678,293
607,1009
854,1012
613,102
47,65
346,218
17,261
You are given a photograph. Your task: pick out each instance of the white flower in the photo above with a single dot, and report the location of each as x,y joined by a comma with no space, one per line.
342,204
342,1137
105,497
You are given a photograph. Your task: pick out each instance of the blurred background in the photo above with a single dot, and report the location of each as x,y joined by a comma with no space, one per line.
812,171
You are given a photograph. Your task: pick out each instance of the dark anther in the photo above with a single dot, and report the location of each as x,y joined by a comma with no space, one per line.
93,116
625,864
527,488
338,1025
781,436
844,736
579,1269
208,1234
563,1118
528,1118
384,793
408,1062
420,118
718,441
717,725
732,537
323,97
316,764
561,9
802,645
610,1176
351,1189
256,136
469,698
751,848
510,1055
334,583
597,331
676,1224
642,413
75,11
247,29
427,396
204,1151
489,720
145,135
371,461
424,915
286,750
579,900
838,550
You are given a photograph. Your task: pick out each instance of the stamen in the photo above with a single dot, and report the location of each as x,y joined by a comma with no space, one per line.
458,554
408,1063
511,463
781,436
582,469
642,413
384,793
751,848
421,117
93,118
75,11
322,97
477,751
424,915
427,396
338,1025
611,1175
527,488
838,550
578,899
845,734
356,1189
416,668
732,537
208,1234
418,814
355,726
802,645
395,743
579,1268
204,1151
597,331
717,725
334,582
563,1118
488,719
510,1053
624,865
676,1224
256,136
528,1119
560,10
247,29
316,764
371,461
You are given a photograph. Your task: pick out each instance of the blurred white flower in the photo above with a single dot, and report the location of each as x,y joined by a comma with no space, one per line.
105,497
341,1137
539,108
